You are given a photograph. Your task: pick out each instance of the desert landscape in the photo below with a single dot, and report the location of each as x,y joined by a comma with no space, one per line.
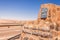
45,27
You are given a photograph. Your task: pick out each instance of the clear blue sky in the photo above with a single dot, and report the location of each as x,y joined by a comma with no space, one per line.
22,9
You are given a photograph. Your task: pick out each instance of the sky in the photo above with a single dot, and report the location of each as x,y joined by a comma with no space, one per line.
22,9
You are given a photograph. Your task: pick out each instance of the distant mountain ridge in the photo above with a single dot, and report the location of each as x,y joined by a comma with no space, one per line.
8,21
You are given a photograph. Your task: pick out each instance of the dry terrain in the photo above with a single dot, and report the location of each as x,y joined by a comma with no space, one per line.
13,30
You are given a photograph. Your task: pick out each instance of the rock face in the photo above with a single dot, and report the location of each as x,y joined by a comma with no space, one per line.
52,13
48,23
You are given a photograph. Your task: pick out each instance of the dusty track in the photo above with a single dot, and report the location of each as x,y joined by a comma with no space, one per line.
6,33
